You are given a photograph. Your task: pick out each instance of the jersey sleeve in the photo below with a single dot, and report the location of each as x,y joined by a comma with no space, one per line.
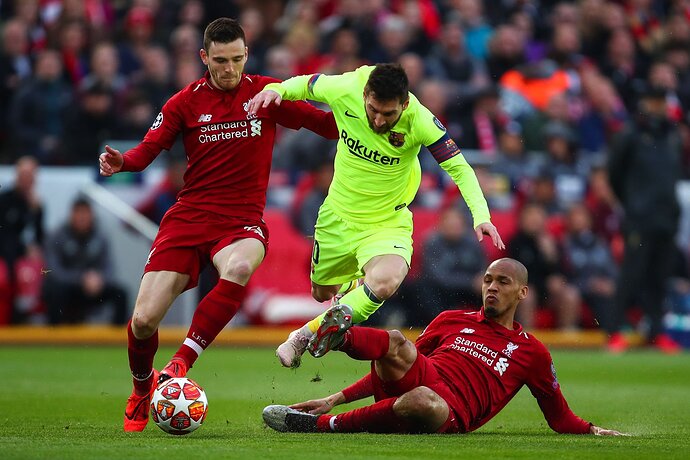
320,87
544,386
300,114
361,389
161,135
447,154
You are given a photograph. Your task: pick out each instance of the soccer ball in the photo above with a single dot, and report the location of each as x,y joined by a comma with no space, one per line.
179,406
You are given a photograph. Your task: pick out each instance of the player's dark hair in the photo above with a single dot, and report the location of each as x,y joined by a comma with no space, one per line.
388,82
223,30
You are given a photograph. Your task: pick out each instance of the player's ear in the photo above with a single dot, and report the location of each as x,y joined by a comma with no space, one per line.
406,103
522,293
204,56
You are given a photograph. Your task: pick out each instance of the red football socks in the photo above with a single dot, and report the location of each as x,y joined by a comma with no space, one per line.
377,418
141,353
365,343
213,313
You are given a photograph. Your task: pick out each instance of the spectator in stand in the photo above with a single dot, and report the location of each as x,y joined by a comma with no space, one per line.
481,125
138,112
39,108
280,62
538,250
105,73
663,75
603,205
154,81
393,39
623,66
138,31
414,68
588,264
569,171
21,225
343,55
477,29
73,43
449,60
306,208
89,125
604,113
513,167
164,195
541,190
452,266
506,51
644,168
79,272
557,109
15,66
677,53
253,23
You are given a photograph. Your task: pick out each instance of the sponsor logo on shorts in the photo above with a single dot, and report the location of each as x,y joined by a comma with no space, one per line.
256,229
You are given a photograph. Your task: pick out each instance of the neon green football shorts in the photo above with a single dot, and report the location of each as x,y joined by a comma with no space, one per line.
342,248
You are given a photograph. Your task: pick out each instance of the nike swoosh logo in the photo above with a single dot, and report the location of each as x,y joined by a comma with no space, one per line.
398,247
348,114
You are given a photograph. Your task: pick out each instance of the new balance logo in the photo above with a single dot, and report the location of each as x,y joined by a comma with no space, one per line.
205,118
467,330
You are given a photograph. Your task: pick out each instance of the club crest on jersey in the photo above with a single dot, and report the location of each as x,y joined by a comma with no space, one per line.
396,139
245,106
510,348
157,122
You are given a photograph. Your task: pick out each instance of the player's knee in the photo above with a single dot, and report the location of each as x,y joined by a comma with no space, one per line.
239,269
384,287
143,325
322,293
396,341
422,406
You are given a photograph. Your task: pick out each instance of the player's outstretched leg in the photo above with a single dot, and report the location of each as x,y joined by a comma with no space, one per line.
290,352
137,410
331,333
283,418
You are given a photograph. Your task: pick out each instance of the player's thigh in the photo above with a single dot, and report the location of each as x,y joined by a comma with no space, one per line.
157,292
333,260
385,253
238,260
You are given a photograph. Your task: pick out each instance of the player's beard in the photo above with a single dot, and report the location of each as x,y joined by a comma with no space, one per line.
490,312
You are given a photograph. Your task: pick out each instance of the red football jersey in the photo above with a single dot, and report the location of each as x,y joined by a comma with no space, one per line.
228,150
485,365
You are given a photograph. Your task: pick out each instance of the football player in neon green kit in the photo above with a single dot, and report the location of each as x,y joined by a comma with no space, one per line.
364,227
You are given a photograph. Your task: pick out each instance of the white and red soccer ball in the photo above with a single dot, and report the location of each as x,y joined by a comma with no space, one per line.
179,406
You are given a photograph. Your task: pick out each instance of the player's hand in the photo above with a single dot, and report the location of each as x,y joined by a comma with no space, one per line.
599,431
487,228
263,100
110,161
320,406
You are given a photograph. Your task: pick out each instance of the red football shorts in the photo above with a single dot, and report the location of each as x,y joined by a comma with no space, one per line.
189,238
422,373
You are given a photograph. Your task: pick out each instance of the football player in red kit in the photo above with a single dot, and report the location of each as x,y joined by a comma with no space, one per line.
218,214
464,368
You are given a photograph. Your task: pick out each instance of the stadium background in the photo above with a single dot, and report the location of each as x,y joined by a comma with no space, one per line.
468,61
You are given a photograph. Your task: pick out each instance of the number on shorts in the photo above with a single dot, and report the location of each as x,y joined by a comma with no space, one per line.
315,253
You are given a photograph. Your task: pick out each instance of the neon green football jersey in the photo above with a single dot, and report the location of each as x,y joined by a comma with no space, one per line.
376,175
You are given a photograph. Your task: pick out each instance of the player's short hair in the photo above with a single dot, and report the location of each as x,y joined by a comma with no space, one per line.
388,82
223,30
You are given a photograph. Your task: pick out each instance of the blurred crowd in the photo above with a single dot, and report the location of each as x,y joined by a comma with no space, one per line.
576,113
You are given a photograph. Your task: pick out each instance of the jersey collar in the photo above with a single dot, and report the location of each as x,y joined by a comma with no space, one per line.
481,318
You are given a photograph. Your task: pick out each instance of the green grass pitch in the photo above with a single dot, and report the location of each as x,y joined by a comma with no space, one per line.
67,403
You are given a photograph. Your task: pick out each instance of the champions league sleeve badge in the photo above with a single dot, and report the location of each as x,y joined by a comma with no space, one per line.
438,123
396,139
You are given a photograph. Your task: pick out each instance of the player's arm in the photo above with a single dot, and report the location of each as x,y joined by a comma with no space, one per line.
300,114
545,388
360,389
447,153
315,87
160,136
